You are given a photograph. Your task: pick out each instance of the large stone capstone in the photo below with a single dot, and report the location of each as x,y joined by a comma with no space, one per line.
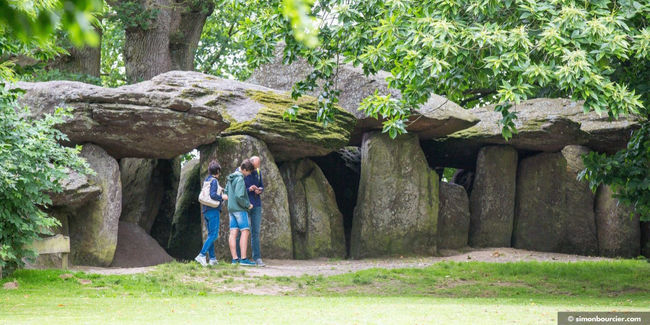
554,212
397,206
316,222
436,118
619,233
275,231
177,111
93,226
185,239
151,119
542,125
492,200
300,137
453,217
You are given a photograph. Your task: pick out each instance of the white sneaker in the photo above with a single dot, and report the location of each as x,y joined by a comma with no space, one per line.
201,260
213,262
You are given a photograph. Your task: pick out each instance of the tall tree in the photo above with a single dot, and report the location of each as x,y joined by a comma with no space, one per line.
160,35
85,60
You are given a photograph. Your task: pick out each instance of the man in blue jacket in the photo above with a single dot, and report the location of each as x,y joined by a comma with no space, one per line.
255,187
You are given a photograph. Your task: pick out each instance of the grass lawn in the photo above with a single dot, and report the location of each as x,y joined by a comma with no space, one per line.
445,293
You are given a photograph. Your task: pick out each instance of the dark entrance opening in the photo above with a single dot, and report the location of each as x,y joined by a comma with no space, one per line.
342,170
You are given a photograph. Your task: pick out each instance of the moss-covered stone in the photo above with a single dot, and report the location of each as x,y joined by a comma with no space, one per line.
302,136
542,125
316,222
554,212
453,217
142,191
397,208
94,225
275,231
492,201
618,234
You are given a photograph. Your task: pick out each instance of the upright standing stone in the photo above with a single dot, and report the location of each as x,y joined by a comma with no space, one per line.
142,191
492,201
554,212
397,209
275,231
185,239
316,222
618,234
93,225
453,218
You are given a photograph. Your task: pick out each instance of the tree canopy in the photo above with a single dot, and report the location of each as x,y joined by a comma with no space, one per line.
476,52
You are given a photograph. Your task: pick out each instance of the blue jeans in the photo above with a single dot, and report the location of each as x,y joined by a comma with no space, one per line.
255,217
212,225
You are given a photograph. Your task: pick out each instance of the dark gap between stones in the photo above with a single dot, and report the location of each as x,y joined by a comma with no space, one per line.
345,183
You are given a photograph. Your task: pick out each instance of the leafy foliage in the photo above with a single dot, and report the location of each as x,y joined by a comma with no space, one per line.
112,71
478,52
628,172
133,14
303,22
31,20
222,50
33,163
56,74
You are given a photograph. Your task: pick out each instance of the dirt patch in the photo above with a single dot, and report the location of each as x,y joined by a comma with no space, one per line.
112,270
326,267
135,248
277,268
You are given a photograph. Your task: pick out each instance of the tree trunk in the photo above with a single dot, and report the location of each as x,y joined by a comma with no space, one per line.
146,51
86,60
185,38
169,42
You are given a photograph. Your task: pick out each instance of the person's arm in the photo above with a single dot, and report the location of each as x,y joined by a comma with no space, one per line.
214,193
261,185
241,194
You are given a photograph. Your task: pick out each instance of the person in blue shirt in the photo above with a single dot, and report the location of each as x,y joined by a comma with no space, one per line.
255,187
211,215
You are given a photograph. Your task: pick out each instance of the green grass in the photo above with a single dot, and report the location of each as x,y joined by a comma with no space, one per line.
622,278
449,292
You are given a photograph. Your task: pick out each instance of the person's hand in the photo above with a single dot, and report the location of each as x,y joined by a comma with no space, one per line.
250,207
224,196
252,188
258,191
